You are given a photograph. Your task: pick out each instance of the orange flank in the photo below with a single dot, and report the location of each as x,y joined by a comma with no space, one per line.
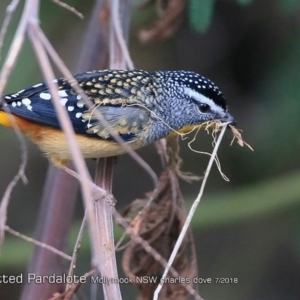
54,143
27,127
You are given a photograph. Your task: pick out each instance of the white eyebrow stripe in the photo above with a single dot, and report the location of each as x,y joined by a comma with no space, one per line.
203,99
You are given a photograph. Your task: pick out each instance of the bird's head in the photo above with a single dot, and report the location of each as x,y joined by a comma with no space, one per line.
189,99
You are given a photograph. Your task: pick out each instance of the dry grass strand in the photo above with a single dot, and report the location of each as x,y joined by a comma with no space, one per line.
238,136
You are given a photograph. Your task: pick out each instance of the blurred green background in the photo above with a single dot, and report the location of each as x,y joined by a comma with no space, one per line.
248,228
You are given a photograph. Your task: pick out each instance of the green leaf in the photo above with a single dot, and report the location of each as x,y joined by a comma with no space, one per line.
200,14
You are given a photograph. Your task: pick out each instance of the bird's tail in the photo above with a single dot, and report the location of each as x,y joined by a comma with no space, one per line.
4,117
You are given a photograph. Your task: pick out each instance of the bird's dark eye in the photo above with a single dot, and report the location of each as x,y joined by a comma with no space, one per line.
204,107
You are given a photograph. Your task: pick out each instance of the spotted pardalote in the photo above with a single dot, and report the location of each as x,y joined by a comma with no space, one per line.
140,106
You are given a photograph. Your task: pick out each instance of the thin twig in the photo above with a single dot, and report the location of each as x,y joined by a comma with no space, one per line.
20,174
69,7
35,35
9,12
101,192
64,187
117,37
5,73
12,184
15,47
190,215
76,248
37,243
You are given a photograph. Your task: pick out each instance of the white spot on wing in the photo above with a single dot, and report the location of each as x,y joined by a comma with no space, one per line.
26,101
63,101
78,115
14,104
62,93
7,97
80,104
45,96
70,108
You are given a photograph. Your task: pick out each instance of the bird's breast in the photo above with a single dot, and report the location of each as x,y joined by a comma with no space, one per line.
55,144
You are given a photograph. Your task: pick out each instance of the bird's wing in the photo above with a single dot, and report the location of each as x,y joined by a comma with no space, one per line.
128,122
35,104
109,93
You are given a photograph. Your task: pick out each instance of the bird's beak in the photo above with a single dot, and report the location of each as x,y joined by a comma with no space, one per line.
229,119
